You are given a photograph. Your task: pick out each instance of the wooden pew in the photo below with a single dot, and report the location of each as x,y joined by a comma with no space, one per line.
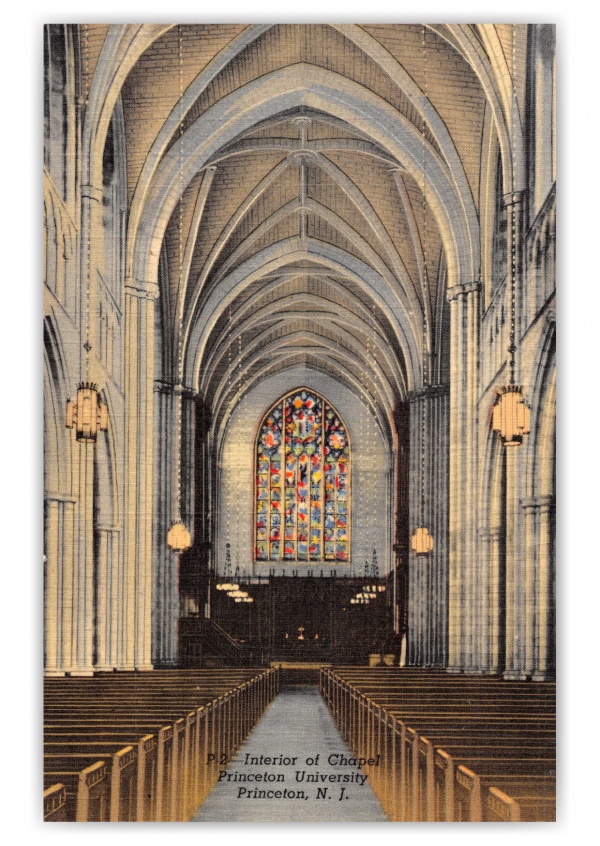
100,786
111,721
476,740
55,803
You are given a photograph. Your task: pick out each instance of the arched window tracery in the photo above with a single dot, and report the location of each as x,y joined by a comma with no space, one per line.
302,503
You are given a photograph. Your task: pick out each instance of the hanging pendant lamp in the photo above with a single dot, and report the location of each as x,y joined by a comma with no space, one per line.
510,415
422,542
178,537
87,414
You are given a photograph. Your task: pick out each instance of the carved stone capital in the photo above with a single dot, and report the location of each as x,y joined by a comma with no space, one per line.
515,198
54,496
175,388
142,290
463,289
90,192
538,503
544,503
428,391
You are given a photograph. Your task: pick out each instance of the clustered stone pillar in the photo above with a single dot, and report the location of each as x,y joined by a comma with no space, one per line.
138,494
538,605
58,595
491,655
174,496
83,587
543,624
515,581
203,490
166,595
402,522
108,539
428,574
464,357
69,600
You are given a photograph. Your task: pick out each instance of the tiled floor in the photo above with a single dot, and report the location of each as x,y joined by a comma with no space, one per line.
296,726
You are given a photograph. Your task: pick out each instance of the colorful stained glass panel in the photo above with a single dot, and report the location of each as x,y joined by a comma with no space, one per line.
302,480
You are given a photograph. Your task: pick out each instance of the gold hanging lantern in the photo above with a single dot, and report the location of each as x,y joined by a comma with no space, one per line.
178,538
87,414
510,415
422,542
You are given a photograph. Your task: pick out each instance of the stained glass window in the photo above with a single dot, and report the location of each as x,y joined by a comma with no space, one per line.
302,482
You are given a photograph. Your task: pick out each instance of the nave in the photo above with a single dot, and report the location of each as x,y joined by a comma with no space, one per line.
297,728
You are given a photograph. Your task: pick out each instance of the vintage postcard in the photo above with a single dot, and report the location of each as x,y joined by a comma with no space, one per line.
299,422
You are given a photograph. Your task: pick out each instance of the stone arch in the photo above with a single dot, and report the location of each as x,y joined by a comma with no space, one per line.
57,444
239,438
114,201
326,91
285,253
59,108
541,458
483,52
541,70
59,509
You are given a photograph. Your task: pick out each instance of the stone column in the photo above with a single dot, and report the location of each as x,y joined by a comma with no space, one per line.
515,629
464,356
483,603
203,522
494,633
402,520
428,575
530,509
136,612
544,660
107,578
58,594
83,569
166,587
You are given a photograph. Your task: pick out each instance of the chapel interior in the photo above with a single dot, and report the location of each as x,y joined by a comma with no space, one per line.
299,383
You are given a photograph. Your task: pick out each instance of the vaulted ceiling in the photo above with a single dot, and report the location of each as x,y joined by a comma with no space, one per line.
308,191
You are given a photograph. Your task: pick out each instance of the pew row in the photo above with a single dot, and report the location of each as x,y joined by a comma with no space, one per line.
129,747
447,748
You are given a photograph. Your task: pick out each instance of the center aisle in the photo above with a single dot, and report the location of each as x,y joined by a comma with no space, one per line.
296,728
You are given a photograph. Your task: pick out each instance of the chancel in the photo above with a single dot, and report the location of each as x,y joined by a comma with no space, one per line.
299,418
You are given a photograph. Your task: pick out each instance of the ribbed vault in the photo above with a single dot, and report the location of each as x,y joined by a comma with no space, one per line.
308,192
